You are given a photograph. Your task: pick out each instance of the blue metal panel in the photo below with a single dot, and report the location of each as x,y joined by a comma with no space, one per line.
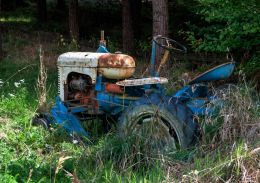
99,86
196,96
190,94
192,91
217,73
153,59
65,118
102,49
113,104
184,93
77,110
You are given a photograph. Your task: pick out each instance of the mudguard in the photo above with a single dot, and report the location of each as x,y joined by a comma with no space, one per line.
222,71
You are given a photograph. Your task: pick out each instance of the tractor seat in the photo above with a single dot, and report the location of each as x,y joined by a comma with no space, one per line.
143,81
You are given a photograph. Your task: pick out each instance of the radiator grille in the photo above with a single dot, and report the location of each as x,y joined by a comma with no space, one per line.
59,79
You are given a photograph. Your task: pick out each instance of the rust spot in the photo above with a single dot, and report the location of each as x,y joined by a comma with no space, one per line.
113,88
87,98
143,81
116,61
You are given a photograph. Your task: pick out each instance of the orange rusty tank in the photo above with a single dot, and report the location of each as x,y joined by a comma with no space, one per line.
116,66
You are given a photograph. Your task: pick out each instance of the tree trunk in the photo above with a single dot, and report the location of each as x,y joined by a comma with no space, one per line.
128,34
73,20
160,22
19,3
136,6
42,10
1,32
61,5
1,44
160,17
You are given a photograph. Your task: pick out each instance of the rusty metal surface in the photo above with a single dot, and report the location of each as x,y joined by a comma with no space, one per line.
144,81
116,73
113,88
86,98
115,61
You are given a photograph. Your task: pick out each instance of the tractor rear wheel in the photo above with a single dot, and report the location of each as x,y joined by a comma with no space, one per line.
157,125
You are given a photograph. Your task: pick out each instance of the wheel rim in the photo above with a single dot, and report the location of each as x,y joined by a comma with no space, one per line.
41,122
154,131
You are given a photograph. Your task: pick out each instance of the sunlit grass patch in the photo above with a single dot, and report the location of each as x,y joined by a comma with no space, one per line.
22,15
17,19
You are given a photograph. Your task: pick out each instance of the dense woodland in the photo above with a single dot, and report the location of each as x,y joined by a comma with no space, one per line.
33,33
206,26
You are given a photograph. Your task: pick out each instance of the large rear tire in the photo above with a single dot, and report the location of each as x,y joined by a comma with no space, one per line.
159,122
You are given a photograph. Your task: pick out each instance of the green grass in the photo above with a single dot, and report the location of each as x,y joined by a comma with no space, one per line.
15,19
20,15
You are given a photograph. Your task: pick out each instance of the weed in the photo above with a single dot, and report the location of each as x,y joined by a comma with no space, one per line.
42,78
223,165
238,115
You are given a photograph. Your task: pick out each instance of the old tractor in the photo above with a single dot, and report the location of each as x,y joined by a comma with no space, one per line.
102,84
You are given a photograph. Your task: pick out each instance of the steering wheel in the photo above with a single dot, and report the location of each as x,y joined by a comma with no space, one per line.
169,44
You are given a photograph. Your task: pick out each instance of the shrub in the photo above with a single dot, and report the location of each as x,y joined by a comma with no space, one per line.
225,24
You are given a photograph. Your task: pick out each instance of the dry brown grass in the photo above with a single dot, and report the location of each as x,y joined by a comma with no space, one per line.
229,160
41,84
250,169
240,165
240,114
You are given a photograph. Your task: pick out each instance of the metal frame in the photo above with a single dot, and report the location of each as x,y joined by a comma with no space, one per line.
194,95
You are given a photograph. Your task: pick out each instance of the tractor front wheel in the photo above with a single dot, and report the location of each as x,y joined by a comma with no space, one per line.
42,120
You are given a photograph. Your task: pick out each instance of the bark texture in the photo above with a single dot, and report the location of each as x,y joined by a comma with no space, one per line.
160,17
61,5
1,32
136,6
160,22
73,20
42,10
128,34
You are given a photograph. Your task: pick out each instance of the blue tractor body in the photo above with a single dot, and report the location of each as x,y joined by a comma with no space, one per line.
114,96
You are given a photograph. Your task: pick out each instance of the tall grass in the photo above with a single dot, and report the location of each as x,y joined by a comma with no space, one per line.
238,116
229,150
